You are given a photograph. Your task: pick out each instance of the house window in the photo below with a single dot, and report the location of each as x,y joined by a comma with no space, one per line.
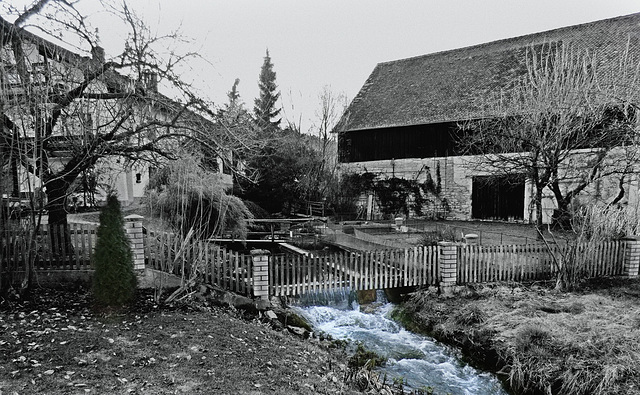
138,178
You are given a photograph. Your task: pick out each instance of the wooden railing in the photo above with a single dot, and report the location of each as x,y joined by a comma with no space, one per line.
478,264
297,275
48,247
203,260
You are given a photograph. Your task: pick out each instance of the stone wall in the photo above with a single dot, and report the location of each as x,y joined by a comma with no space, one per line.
457,174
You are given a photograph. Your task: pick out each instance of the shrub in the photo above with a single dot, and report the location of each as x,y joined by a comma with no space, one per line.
364,358
469,315
114,281
530,336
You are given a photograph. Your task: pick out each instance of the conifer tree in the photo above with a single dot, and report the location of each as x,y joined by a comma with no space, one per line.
265,106
114,281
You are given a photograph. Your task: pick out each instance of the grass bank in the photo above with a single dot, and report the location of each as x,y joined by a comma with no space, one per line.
538,340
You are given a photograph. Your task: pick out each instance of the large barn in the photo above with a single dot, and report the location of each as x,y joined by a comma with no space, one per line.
405,121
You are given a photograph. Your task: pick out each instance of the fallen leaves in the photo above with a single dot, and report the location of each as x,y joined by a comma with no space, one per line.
56,344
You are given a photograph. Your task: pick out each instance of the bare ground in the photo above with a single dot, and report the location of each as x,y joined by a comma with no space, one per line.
58,343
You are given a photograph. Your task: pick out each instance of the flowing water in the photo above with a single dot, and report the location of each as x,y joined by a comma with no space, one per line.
419,360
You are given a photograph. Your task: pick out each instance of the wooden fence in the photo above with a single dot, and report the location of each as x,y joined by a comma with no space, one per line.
48,246
478,264
292,274
199,259
297,275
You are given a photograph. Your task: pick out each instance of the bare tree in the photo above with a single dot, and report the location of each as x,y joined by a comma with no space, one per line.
331,107
563,126
63,114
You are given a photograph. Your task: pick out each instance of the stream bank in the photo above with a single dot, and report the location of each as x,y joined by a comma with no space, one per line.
540,341
414,362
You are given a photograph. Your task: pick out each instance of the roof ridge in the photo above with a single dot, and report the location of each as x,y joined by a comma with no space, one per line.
511,39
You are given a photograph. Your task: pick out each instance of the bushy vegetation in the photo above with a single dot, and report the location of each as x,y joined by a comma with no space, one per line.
188,197
396,196
590,226
363,358
114,280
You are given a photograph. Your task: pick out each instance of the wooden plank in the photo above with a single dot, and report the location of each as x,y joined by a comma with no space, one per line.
73,235
365,271
62,237
329,266
376,270
341,272
273,275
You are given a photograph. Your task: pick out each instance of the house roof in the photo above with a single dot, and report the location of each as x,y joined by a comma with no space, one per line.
115,82
448,86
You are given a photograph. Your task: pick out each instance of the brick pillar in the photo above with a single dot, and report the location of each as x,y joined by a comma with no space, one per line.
632,256
448,263
133,227
260,273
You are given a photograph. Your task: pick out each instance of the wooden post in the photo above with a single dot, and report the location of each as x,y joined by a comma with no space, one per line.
133,227
260,273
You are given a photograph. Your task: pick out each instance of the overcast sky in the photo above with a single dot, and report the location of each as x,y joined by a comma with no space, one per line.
339,42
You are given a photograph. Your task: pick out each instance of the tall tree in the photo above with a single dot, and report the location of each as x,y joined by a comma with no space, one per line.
565,125
285,173
265,110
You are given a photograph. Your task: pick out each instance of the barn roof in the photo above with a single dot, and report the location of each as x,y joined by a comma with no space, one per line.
449,86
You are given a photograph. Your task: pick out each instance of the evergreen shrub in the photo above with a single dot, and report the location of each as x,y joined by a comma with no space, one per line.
114,280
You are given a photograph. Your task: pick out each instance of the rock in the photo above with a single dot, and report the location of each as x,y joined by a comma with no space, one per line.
271,315
262,305
300,332
365,297
292,319
370,308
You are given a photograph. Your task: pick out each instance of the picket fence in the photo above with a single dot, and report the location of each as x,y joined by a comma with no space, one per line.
292,275
206,261
47,247
531,262
298,275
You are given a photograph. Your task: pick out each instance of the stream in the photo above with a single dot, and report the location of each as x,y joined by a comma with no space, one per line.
420,360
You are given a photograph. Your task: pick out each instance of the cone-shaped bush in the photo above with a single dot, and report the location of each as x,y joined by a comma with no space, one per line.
114,281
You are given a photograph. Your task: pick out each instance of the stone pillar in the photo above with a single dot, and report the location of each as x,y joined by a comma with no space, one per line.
133,227
260,273
632,256
448,263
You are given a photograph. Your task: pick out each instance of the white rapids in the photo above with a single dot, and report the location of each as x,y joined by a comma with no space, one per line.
418,360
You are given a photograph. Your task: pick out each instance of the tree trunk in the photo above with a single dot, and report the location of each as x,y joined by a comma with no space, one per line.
562,215
58,225
538,202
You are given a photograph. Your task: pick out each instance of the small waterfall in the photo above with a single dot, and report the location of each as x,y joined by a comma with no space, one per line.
330,297
419,360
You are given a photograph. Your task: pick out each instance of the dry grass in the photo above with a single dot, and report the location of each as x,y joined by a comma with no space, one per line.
568,343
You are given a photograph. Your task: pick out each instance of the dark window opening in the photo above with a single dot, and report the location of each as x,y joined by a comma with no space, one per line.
498,197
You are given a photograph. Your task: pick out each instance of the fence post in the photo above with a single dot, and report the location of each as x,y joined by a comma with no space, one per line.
447,264
632,256
260,273
134,230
